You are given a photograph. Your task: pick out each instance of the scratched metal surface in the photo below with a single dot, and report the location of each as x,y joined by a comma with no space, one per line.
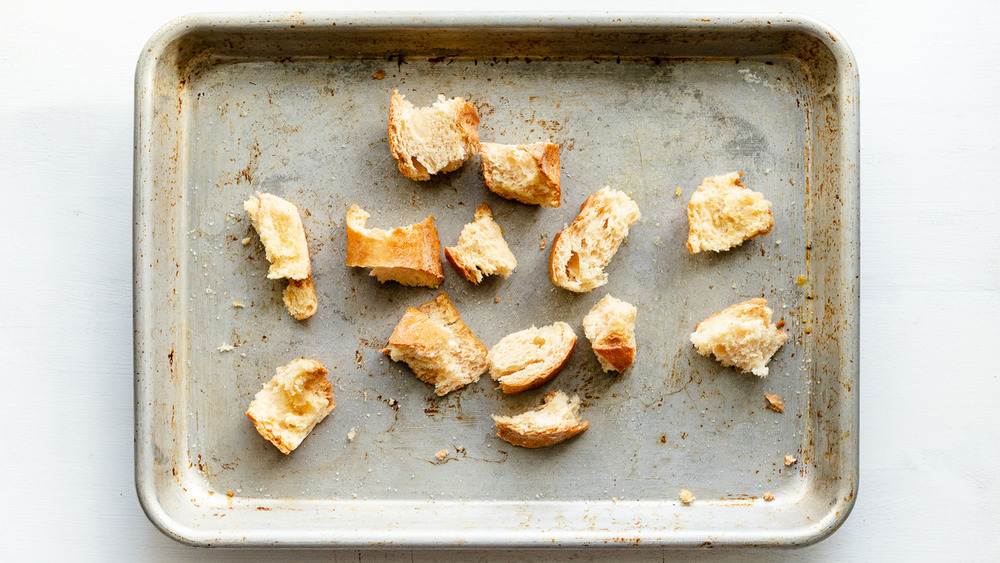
228,107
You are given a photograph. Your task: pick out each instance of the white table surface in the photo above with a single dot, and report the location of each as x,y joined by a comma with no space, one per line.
930,91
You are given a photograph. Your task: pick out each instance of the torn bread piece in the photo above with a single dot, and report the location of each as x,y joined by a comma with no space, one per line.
532,357
557,419
525,173
481,250
581,251
431,140
610,327
438,346
408,255
774,402
300,298
723,214
279,226
741,335
292,403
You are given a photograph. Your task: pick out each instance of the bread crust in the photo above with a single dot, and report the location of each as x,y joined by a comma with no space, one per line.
465,122
617,353
610,327
520,387
521,434
409,255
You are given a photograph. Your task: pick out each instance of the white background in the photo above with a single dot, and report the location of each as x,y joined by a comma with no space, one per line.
930,111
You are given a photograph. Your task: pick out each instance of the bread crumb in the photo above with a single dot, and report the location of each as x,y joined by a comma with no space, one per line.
245,241
801,280
379,74
354,495
351,434
780,323
442,454
777,242
366,396
217,184
541,244
790,460
230,493
243,355
807,330
238,304
774,402
496,299
392,402
768,497
678,192
225,348
686,497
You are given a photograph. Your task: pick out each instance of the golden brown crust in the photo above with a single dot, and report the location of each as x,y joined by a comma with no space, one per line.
547,157
539,439
410,255
521,386
617,353
471,351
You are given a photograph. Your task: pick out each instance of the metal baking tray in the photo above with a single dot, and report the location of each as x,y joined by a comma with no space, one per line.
227,106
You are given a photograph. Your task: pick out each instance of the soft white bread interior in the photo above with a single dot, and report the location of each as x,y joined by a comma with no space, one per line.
557,419
292,403
530,358
741,335
723,214
300,298
408,255
279,226
581,251
438,346
525,173
610,327
481,250
431,140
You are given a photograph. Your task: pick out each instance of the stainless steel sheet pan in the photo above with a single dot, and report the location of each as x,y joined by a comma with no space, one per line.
292,104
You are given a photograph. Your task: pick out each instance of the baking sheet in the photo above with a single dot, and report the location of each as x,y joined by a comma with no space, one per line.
288,104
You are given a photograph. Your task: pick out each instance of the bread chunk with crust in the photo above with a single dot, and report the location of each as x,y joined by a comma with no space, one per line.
741,335
408,255
481,250
432,140
292,403
722,213
610,328
532,357
581,251
438,346
300,298
556,420
525,173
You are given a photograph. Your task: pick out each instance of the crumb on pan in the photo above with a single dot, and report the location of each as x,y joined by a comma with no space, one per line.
774,402
226,348
351,434
442,454
238,304
678,191
768,497
230,493
379,74
780,324
541,244
790,460
245,241
686,496
496,299
801,280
